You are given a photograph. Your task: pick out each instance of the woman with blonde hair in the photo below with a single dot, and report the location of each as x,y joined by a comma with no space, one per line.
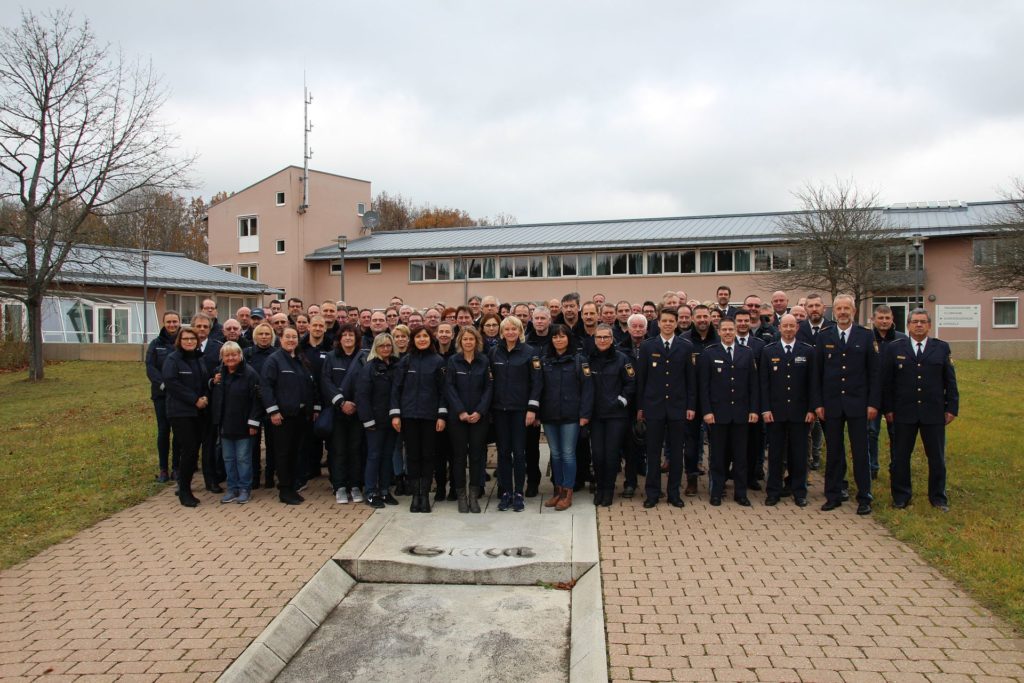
373,397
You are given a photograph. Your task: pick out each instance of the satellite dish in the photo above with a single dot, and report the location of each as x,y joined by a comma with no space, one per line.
371,219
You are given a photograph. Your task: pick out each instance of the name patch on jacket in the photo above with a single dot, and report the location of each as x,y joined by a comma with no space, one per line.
536,363
586,370
629,370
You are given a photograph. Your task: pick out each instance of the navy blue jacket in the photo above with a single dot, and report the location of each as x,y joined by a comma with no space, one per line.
418,389
468,387
159,349
334,376
235,401
787,383
518,376
184,382
373,393
805,333
614,376
919,390
211,356
288,386
754,343
666,385
568,392
257,356
729,389
847,379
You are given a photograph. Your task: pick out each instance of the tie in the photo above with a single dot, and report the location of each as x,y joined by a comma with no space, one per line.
918,349
842,338
743,342
668,347
729,349
815,330
789,349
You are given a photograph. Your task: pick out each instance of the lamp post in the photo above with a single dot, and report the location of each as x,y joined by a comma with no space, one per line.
145,300
342,246
917,243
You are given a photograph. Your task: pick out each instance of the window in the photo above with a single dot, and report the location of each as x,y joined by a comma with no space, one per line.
373,265
280,198
671,262
280,246
430,270
772,258
226,269
247,226
249,270
1004,312
986,252
620,263
570,265
335,267
724,260
360,209
896,258
475,268
518,267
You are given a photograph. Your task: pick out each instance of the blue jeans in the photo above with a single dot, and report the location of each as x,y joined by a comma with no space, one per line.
562,438
238,463
380,445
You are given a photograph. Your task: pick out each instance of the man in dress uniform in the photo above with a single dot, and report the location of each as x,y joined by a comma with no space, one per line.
756,435
885,333
729,388
919,396
666,398
787,373
848,395
807,333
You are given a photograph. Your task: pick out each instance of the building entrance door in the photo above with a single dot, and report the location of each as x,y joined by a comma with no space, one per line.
112,324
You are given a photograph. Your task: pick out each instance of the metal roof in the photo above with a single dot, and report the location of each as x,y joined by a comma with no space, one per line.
934,219
119,267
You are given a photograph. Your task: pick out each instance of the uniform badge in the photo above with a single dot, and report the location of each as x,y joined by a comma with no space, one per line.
536,363
830,346
876,346
630,372
775,368
586,370
694,356
655,355
654,364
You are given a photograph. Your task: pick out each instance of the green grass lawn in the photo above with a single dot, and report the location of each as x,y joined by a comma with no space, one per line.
980,542
74,449
80,446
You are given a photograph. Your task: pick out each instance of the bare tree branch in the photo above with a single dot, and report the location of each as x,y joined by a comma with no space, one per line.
998,262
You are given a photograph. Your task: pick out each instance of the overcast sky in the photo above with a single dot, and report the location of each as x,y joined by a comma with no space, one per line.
558,111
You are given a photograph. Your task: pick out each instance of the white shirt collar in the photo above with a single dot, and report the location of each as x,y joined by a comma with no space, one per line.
923,343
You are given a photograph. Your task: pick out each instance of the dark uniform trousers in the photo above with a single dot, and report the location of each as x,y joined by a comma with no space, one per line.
787,452
933,437
727,440
668,433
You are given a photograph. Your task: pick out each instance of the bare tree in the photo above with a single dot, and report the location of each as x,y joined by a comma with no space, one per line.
998,262
79,130
154,219
839,239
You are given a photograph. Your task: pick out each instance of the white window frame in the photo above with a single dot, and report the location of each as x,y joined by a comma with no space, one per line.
335,267
1016,311
360,208
244,266
251,226
279,246
611,258
435,261
227,267
374,266
280,199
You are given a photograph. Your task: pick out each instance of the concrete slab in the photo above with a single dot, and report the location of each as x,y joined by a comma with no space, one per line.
588,656
470,549
448,633
257,663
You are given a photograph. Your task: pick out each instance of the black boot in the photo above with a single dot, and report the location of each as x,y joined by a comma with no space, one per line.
463,501
424,483
186,498
474,499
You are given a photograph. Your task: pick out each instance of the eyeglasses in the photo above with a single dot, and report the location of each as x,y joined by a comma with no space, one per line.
603,337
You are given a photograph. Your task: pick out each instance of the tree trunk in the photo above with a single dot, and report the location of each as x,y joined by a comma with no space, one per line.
35,338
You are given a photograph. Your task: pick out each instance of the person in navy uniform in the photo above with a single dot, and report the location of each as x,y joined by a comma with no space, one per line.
756,436
666,398
187,395
849,395
807,333
729,389
701,334
919,396
614,378
787,373
159,349
885,333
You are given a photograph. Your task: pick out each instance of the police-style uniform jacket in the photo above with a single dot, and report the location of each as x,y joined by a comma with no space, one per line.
316,354
919,390
288,386
337,369
373,393
184,382
518,377
159,349
666,381
755,344
729,388
787,381
211,354
418,389
613,374
568,392
805,331
468,387
235,401
847,377
256,356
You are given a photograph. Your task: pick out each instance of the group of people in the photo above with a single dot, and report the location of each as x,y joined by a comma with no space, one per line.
403,401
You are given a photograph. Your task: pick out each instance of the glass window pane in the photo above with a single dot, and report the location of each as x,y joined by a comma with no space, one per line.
430,270
619,264
725,259
782,259
654,263
444,269
707,261
522,267
77,320
554,266
536,266
742,260
1005,313
604,264
762,260
489,268
460,269
507,266
671,261
416,271
569,266
688,262
584,265
636,263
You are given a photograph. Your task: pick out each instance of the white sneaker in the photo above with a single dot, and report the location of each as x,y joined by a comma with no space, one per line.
341,496
357,496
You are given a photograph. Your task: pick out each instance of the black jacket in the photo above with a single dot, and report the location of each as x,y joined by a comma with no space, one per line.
468,387
729,389
518,377
158,351
568,392
614,377
666,387
211,356
235,401
288,386
373,393
335,387
788,383
418,389
184,382
257,356
847,377
919,390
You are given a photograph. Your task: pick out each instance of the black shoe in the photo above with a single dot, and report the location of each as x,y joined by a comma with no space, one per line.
771,500
944,507
598,498
188,500
609,496
676,502
800,502
531,491
289,497
453,495
754,486
302,498
864,509
844,495
163,477
901,505
831,505
389,499
785,493
628,491
214,488
375,501
716,500
414,503
744,501
650,502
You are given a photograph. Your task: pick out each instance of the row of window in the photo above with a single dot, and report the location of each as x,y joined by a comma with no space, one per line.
189,304
248,226
246,270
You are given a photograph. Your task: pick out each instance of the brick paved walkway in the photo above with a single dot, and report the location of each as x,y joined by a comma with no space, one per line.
161,592
785,594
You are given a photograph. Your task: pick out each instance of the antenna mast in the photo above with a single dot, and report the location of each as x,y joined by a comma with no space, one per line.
307,126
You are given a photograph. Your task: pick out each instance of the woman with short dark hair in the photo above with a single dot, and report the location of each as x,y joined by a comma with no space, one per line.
184,377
